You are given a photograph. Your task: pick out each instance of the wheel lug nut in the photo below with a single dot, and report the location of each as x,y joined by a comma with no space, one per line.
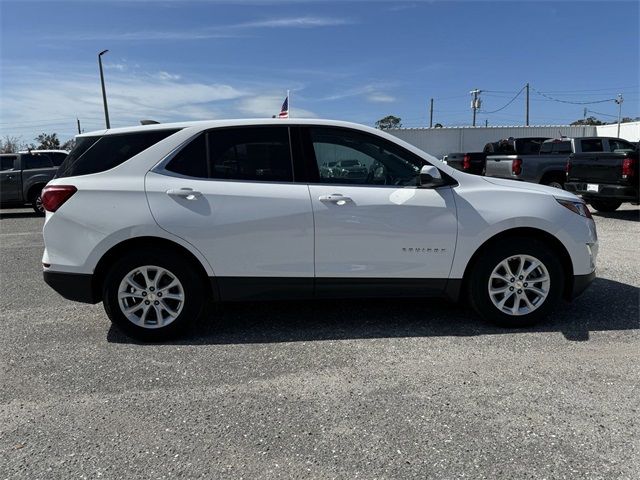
152,289
521,277
156,302
160,293
526,284
511,289
513,280
519,291
147,302
144,294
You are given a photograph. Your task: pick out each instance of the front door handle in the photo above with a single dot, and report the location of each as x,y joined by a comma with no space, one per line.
335,198
186,193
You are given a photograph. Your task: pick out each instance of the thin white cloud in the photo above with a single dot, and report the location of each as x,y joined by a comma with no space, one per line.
162,75
121,67
380,98
29,105
236,30
293,22
372,93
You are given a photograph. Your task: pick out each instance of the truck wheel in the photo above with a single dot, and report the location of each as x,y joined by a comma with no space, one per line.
605,205
516,284
555,183
153,294
35,199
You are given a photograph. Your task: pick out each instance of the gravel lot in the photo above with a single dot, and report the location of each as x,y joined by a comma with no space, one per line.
350,389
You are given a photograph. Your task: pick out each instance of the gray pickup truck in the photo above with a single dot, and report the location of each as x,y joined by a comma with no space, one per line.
548,166
23,175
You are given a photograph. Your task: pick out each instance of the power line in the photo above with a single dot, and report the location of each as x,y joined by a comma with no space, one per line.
508,103
571,102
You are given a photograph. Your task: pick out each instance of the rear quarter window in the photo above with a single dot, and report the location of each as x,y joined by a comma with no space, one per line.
98,154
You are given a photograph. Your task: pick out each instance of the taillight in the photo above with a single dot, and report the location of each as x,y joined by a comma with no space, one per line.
54,196
629,167
516,166
466,162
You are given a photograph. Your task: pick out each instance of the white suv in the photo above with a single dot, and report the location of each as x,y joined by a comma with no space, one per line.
156,220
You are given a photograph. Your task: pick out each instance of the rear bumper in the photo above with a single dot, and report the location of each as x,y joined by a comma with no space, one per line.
580,283
72,286
617,192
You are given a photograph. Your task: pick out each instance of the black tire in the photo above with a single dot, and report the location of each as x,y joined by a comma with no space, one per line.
35,199
555,183
192,284
478,281
605,205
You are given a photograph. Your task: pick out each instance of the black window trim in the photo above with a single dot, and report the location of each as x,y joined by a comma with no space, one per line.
161,169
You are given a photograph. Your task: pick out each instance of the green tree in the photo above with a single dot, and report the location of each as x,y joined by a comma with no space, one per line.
389,121
10,144
48,141
69,144
588,121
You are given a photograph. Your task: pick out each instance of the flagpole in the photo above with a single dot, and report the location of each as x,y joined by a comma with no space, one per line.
289,102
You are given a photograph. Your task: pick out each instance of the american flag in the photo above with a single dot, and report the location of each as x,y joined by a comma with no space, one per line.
284,110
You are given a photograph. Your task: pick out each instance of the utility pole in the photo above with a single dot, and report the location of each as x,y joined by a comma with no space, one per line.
475,103
431,114
527,120
104,93
78,120
619,101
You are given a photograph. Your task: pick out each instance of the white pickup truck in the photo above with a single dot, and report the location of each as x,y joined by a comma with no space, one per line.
548,166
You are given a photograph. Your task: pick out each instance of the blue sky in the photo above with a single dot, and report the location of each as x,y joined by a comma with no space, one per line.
351,60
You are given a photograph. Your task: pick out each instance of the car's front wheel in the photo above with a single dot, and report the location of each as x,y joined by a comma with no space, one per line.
516,283
153,295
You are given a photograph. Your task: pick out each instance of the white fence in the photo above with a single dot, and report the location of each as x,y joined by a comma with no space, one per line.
629,131
440,141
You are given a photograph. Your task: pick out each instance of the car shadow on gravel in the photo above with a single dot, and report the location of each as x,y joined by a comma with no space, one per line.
8,214
304,321
631,215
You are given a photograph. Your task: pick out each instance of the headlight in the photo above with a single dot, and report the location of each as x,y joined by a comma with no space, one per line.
576,207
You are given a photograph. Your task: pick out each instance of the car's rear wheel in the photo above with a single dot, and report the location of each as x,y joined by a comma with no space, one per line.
153,295
516,283
605,205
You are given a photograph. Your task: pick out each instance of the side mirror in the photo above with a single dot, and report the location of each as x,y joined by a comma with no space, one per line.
430,177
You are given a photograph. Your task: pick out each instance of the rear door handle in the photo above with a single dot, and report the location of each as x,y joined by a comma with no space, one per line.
186,193
335,198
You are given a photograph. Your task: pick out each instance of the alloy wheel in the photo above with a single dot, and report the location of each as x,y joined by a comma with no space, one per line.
151,296
519,285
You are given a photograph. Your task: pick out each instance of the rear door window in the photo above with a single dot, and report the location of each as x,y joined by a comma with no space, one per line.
242,153
591,145
98,154
32,161
250,153
57,158
7,163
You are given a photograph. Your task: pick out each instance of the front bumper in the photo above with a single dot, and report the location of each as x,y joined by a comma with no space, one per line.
72,286
580,284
